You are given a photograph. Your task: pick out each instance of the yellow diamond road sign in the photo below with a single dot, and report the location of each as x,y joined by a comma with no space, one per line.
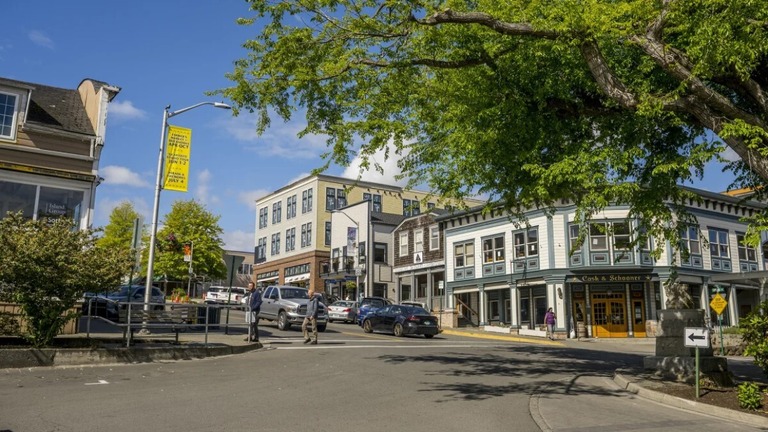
718,304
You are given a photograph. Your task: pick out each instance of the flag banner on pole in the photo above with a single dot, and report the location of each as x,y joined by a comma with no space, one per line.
177,159
351,240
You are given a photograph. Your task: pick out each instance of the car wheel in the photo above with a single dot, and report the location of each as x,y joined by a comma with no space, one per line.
282,321
367,327
398,330
321,328
429,336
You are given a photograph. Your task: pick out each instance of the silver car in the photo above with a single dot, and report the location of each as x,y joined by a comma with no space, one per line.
342,310
287,305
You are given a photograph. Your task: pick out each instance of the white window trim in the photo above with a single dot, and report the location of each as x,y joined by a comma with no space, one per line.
436,245
418,240
403,251
15,119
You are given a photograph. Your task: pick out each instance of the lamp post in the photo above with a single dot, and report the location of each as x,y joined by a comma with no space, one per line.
158,187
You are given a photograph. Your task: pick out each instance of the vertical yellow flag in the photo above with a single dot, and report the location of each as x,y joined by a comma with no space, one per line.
177,158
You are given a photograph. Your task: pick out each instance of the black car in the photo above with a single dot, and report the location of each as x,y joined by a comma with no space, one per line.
401,320
107,306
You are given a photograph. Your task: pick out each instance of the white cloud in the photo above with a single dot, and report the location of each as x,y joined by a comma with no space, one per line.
239,240
39,38
204,188
124,110
249,197
117,175
279,140
389,167
729,155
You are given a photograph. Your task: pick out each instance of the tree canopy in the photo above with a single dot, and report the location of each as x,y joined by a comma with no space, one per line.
189,222
526,101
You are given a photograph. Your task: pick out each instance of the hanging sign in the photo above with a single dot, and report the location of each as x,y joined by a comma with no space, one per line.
177,159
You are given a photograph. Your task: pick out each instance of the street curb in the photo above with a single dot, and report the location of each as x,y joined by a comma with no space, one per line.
501,337
685,404
31,357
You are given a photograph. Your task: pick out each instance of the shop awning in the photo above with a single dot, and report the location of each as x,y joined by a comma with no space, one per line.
269,279
297,278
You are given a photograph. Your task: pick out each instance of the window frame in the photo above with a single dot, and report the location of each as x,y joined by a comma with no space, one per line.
434,238
403,244
14,118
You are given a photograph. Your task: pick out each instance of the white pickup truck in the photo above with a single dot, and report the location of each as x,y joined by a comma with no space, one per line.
222,295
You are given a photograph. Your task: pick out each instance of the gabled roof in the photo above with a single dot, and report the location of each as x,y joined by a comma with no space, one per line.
55,107
387,218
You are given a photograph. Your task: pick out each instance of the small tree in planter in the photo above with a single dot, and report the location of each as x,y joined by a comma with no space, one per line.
754,332
351,287
47,264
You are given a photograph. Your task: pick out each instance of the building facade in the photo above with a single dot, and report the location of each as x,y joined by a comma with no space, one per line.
499,272
50,146
294,229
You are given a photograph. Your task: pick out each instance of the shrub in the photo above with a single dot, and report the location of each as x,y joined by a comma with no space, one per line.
749,396
754,333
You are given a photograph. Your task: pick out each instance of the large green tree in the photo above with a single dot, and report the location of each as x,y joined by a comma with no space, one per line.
46,265
189,222
527,101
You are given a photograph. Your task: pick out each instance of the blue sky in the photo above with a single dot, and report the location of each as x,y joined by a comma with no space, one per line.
162,52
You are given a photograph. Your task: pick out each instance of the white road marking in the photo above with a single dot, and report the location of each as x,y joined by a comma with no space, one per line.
98,383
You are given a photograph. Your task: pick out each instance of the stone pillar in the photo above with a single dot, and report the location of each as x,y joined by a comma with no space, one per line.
673,360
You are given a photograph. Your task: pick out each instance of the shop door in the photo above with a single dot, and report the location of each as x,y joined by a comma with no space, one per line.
579,306
609,315
638,317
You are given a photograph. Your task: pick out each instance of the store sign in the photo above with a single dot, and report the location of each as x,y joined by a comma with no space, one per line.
609,278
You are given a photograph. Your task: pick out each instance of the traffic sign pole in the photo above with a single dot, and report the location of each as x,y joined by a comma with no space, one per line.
720,324
697,372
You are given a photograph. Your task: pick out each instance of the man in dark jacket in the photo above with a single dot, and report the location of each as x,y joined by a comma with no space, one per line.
254,306
313,307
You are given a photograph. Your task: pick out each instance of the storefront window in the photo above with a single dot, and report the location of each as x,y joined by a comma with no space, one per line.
17,197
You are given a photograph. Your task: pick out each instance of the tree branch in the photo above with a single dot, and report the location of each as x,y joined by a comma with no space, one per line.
512,29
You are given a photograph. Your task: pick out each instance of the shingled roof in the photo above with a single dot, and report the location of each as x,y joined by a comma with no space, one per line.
56,107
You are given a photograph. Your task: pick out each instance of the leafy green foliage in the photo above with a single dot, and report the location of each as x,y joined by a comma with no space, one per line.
750,396
527,102
46,265
118,233
754,333
189,221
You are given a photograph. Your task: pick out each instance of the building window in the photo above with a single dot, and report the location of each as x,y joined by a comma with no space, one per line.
290,239
406,207
330,198
418,240
598,237
718,249
306,233
526,243
290,207
403,251
690,246
261,251
747,255
621,242
306,201
575,250
327,233
493,256
464,260
376,207
275,245
341,198
277,212
434,238
415,207
8,109
430,205
263,212
380,253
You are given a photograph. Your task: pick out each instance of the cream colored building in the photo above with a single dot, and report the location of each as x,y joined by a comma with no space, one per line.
294,230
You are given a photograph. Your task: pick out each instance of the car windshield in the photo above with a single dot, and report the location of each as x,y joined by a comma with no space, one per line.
297,293
375,303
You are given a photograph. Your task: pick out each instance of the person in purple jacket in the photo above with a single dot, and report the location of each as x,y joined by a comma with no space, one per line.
549,320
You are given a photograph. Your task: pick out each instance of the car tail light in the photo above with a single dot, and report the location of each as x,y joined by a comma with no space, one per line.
413,318
347,310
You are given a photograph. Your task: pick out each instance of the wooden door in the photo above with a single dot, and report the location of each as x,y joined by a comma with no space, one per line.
609,315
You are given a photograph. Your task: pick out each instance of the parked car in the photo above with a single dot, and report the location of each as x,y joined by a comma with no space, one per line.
287,305
368,304
414,303
223,295
402,320
108,305
342,310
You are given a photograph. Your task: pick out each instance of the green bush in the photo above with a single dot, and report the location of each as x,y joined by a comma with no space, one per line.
754,333
749,396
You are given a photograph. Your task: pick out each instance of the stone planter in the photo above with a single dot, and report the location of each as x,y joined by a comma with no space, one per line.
497,329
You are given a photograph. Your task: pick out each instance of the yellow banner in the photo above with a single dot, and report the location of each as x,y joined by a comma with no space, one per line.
177,159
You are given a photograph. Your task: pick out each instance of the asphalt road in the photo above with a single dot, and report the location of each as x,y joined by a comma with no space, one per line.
351,381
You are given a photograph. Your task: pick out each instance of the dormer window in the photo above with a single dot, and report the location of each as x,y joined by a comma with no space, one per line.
9,104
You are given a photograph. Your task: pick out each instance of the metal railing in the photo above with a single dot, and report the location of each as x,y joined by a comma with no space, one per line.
130,316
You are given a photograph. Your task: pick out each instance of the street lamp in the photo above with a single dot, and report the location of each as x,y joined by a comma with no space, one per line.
158,187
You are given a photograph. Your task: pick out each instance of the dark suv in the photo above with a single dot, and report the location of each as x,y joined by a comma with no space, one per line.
368,305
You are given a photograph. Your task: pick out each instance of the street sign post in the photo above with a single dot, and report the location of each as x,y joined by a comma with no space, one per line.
718,305
696,337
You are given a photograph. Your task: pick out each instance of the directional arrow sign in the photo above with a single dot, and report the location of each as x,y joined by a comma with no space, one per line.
696,337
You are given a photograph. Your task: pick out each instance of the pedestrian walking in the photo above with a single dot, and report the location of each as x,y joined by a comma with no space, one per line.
549,320
313,307
252,317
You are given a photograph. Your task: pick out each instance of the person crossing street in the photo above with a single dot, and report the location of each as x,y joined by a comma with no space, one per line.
313,307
